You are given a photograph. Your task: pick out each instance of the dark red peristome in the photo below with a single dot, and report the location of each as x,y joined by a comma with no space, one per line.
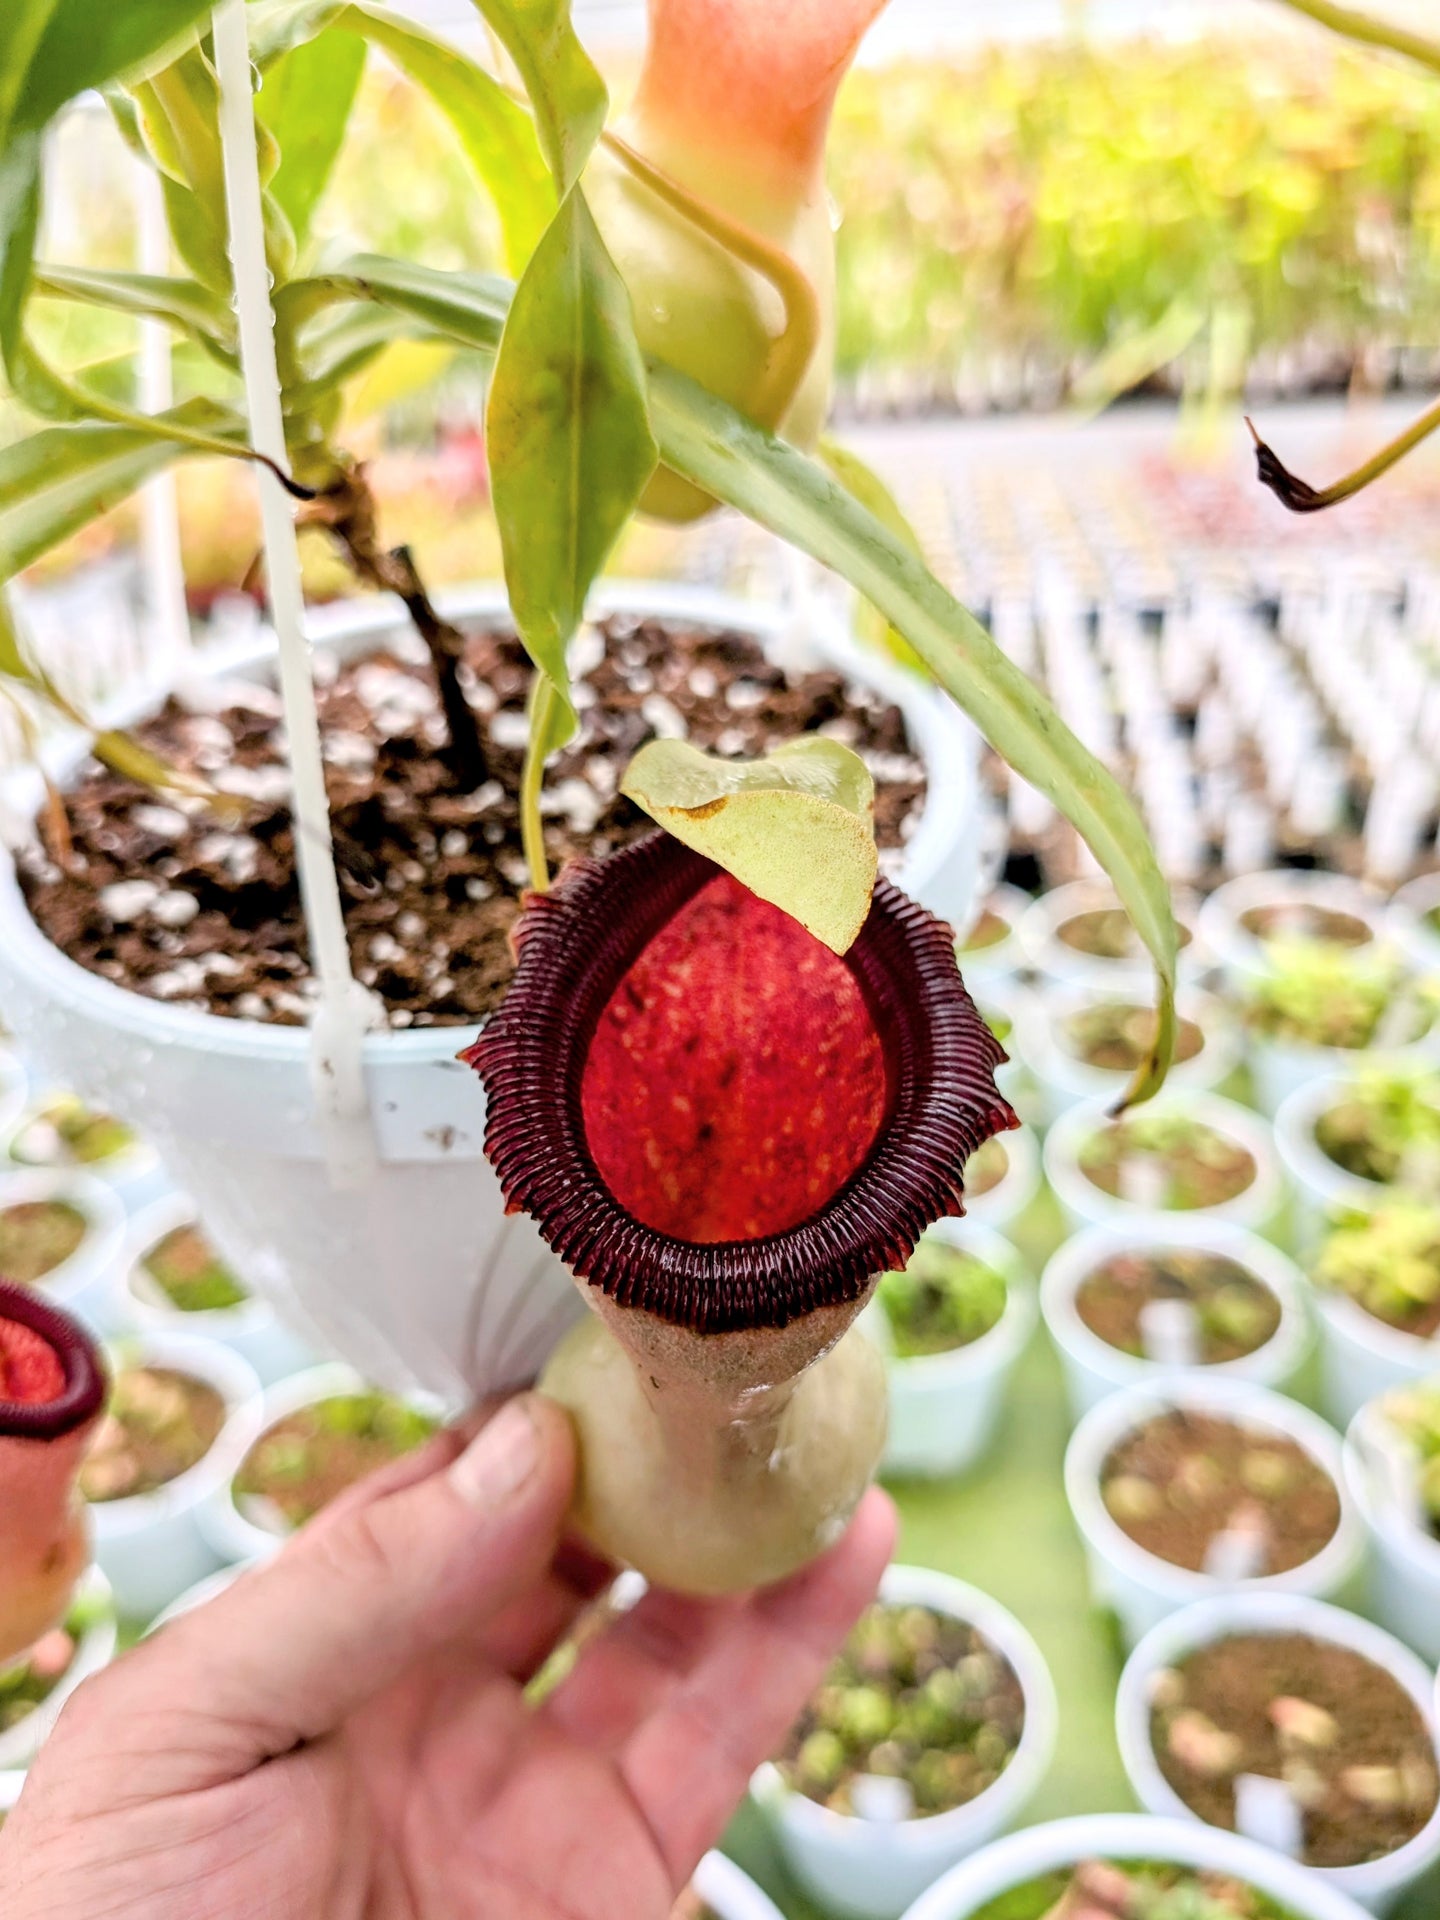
711,1115
51,1380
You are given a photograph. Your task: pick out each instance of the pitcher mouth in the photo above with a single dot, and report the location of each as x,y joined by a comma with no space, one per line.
51,1378
712,1116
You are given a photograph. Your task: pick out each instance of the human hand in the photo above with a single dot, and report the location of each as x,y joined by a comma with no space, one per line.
344,1731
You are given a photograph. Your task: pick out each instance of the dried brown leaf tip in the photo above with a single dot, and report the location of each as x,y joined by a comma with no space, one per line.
712,1115
1289,489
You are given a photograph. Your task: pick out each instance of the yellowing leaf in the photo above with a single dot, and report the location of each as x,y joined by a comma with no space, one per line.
796,828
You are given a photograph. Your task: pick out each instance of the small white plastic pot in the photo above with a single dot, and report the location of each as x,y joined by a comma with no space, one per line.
1125,1837
1064,1079
1380,1471
81,1283
11,1782
1240,954
20,1743
1051,956
1361,1356
1003,958
870,1869
1144,1589
1094,1369
1280,1069
252,1329
729,1893
1407,923
944,1406
150,1545
999,1000
1376,1884
231,1534
134,1175
1319,1187
203,1591
1086,1205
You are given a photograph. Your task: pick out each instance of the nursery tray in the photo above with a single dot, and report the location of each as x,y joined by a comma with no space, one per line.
1006,1528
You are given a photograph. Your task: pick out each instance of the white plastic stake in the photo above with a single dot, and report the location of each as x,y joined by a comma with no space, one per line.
1267,1811
343,1008
1170,1333
159,510
881,1799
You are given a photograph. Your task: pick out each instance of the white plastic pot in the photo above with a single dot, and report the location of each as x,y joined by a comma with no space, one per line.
871,1870
1280,1069
1404,1554
203,1591
1407,927
1376,1884
1361,1356
944,1406
1049,954
1086,1205
20,1744
1094,1369
231,1534
10,1784
150,1545
1240,954
1319,1187
1129,1837
253,1329
1003,958
1065,1080
1142,1588
1004,1203
134,1175
998,999
81,1283
729,1893
419,1278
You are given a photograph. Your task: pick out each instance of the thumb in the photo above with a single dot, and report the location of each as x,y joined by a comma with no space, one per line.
300,1642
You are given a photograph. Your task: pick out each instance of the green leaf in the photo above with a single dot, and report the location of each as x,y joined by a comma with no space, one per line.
195,310
495,132
772,483
564,86
866,486
570,444
469,308
797,827
19,222
61,478
305,102
79,44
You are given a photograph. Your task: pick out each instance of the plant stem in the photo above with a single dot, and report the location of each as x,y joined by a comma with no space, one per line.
1368,31
347,511
1300,497
532,833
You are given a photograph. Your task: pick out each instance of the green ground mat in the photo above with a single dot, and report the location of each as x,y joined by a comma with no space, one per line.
1006,1529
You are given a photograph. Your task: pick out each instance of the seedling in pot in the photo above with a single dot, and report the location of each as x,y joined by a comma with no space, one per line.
1386,1128
1106,933
300,1464
1324,996
1166,1161
158,1423
1131,1890
1231,1311
1306,922
917,1698
1414,1415
191,1275
1341,1733
1388,1263
37,1236
67,1133
1211,1495
944,1298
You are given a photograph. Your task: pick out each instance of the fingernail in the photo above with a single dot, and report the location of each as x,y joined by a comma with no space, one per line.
501,1457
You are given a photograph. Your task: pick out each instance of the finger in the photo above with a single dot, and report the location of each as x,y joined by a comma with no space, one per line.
688,1766
343,1610
521,1637
625,1675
